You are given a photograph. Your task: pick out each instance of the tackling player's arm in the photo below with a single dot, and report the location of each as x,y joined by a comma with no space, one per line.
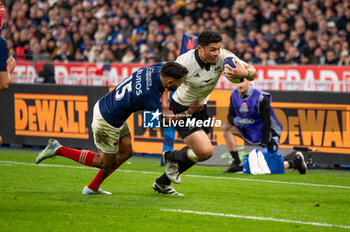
169,114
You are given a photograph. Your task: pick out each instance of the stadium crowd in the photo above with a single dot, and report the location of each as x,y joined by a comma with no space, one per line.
266,32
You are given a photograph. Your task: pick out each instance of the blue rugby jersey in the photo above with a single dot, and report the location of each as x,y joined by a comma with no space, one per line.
140,91
3,54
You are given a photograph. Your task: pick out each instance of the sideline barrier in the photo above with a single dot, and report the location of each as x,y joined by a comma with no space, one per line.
305,78
30,114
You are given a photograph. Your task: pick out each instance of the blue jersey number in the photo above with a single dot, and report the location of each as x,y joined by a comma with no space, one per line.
125,86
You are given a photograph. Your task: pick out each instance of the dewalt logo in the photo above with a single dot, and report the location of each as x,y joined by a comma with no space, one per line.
51,115
325,127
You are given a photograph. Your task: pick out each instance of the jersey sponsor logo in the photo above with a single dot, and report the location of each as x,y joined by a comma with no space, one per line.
149,77
151,119
138,84
244,109
51,115
206,81
246,120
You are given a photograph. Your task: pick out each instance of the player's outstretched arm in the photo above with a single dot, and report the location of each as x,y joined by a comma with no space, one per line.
194,108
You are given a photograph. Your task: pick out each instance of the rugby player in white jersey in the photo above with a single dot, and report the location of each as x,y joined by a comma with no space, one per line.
205,65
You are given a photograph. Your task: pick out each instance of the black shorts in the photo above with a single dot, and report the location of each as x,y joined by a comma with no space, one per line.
186,131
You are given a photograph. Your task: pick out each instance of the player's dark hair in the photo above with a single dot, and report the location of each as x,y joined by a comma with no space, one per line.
174,70
208,36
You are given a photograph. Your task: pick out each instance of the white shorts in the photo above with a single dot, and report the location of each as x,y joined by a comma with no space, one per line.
107,137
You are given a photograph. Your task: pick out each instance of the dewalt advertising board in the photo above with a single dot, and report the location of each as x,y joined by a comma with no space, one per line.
30,114
51,115
35,113
322,126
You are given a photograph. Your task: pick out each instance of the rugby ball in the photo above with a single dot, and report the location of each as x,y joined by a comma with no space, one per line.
231,62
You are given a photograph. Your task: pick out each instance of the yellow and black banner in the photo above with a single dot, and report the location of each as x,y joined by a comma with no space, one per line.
33,113
51,115
324,127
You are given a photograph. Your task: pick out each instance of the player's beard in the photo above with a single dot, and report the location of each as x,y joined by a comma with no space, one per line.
172,88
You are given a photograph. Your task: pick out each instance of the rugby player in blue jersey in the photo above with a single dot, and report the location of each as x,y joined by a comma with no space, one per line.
145,89
7,64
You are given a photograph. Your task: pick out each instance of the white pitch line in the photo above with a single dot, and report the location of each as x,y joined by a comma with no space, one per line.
255,218
273,181
2,162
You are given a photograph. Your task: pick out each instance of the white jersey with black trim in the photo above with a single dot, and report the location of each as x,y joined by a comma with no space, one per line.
201,80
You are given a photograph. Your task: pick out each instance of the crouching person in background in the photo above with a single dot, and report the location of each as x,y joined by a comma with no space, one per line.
252,118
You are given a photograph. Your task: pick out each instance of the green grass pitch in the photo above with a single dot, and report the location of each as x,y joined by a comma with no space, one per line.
47,197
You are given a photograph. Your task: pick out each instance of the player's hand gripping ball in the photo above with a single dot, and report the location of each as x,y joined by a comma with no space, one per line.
232,63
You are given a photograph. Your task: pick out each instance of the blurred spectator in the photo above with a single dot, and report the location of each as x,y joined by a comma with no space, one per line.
37,55
297,41
89,52
344,59
97,51
171,56
107,56
274,58
151,58
344,18
122,48
64,53
125,28
129,56
305,59
331,58
292,56
319,56
79,56
143,54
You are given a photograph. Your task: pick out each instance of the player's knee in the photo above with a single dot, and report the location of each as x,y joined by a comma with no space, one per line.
106,165
204,154
99,162
129,152
125,156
